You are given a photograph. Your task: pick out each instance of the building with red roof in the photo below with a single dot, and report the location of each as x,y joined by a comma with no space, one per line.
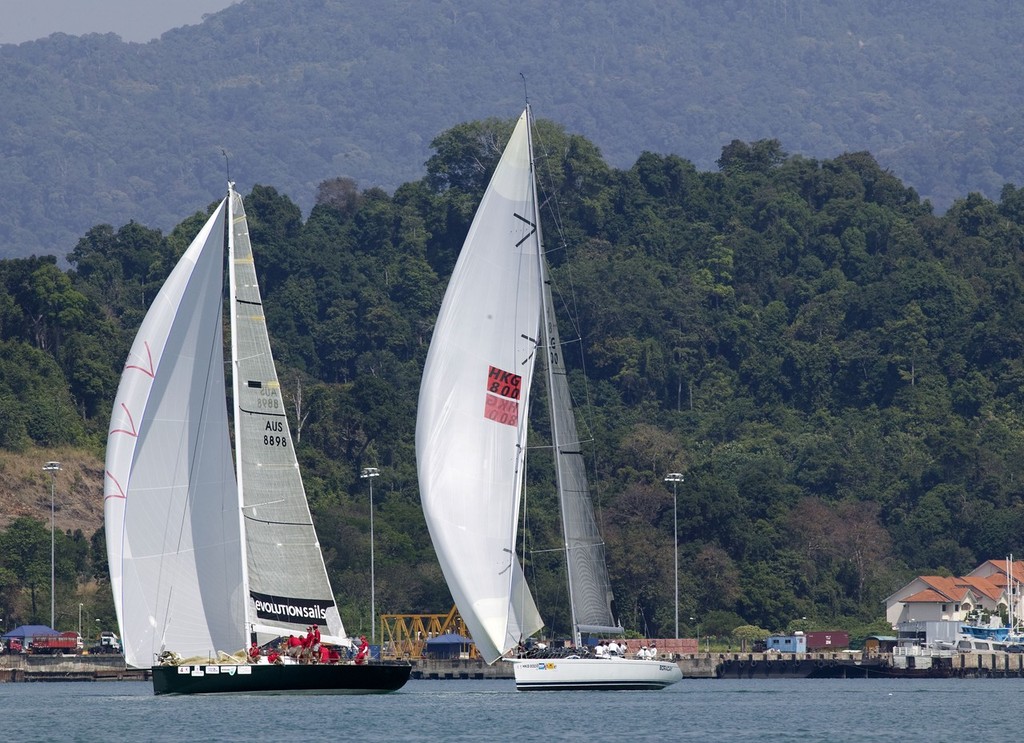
988,589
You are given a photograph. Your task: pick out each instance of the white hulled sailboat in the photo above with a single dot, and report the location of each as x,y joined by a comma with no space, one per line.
496,318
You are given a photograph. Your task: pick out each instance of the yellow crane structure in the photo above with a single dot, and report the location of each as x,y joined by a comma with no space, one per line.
405,635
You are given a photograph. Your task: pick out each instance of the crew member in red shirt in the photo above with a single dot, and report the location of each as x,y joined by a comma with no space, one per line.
364,650
314,645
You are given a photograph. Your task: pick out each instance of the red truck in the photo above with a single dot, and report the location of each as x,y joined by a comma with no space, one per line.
66,643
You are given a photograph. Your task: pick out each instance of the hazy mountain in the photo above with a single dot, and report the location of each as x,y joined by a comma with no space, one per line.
98,130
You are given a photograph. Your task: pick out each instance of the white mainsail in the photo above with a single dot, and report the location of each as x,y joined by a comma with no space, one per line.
287,579
590,591
474,397
176,502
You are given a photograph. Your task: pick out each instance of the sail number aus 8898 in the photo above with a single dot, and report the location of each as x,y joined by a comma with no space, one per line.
272,439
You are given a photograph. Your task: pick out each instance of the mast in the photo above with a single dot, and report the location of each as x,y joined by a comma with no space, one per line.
549,338
235,417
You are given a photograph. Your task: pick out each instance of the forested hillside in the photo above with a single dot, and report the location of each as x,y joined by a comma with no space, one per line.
96,130
835,369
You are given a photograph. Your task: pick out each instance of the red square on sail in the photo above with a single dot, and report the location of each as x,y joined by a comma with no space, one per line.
500,410
506,384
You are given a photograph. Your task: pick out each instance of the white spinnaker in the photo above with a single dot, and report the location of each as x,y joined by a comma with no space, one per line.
288,585
473,403
170,502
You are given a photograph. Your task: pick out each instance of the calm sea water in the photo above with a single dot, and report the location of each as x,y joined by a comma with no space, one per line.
710,710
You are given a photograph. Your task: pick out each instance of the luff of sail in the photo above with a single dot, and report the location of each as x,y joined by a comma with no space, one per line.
170,503
288,584
473,403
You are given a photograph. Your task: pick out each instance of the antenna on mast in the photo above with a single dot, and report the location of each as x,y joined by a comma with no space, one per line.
227,163
525,94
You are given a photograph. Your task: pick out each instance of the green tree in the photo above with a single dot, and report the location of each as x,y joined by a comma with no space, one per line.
25,550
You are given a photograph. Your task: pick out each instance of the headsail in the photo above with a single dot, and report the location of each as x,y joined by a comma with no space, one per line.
473,403
170,504
288,584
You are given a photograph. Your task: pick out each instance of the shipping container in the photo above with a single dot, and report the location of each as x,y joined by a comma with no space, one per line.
828,640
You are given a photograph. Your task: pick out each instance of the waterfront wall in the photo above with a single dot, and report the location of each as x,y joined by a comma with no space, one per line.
693,666
460,669
920,664
27,667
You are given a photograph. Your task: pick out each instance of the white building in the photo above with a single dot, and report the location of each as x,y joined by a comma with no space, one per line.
985,592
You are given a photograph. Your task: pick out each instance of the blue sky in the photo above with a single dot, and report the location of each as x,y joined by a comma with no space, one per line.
132,20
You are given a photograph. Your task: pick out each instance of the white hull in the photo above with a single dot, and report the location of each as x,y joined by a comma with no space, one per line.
550,674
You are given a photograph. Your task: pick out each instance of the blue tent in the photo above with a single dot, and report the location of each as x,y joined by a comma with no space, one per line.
30,630
447,646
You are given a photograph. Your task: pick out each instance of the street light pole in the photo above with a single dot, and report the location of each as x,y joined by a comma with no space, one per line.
675,478
53,468
368,474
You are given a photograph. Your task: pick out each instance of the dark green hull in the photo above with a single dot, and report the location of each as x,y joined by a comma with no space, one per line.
378,678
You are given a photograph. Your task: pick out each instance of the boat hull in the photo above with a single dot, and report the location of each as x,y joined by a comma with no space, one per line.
580,674
377,678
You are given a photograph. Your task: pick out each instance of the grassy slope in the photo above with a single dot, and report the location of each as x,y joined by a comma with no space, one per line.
78,494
